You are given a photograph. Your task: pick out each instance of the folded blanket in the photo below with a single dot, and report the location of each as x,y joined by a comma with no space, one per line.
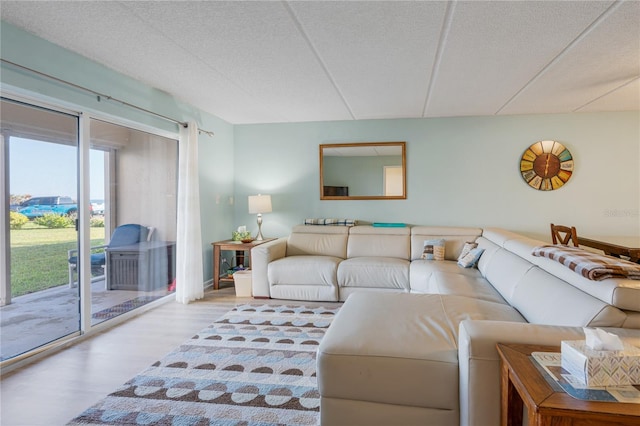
590,265
343,222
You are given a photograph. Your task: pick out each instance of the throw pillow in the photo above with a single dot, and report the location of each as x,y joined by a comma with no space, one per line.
433,249
470,260
468,246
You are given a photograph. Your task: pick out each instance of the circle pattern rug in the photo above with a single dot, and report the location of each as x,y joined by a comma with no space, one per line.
256,365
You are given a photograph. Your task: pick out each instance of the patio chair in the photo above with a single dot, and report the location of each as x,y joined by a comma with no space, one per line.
123,235
564,235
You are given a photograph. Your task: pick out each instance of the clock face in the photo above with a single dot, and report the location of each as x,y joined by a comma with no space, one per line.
546,165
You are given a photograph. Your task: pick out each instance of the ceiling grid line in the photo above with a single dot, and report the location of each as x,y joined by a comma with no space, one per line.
315,52
607,93
192,52
562,53
444,31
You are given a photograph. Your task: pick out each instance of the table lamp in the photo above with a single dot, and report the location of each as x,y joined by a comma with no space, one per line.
259,204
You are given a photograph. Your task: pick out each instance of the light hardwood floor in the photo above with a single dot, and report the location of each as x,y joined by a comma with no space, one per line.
57,388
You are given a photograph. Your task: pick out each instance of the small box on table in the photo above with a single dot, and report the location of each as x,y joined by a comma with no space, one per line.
601,368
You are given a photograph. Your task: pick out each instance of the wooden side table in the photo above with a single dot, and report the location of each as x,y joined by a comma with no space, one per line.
522,385
238,247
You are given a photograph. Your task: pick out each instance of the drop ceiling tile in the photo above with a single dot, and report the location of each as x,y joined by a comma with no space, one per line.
254,45
607,57
380,54
493,49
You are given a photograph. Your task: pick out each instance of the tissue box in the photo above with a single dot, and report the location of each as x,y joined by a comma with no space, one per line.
601,368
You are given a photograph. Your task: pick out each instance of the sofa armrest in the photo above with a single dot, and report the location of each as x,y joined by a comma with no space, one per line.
480,363
261,255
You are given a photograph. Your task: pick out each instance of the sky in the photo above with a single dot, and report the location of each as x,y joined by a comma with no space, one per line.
46,169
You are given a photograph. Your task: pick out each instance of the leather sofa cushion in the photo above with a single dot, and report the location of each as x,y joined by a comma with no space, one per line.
399,348
448,278
304,292
505,270
368,240
531,298
422,270
318,240
374,272
301,270
632,320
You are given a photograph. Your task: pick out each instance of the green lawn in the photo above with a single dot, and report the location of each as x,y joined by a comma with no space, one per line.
39,257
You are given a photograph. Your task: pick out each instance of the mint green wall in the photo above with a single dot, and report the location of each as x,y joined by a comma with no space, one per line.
215,154
460,171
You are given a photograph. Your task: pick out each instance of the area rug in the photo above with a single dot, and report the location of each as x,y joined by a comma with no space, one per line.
123,307
254,366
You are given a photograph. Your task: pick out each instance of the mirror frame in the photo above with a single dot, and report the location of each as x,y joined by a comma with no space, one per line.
402,145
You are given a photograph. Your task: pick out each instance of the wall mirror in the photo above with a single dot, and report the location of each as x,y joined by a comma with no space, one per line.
363,171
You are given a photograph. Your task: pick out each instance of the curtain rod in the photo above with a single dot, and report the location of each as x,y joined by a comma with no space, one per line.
108,97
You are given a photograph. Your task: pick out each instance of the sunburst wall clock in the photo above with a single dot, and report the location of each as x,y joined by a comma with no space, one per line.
546,165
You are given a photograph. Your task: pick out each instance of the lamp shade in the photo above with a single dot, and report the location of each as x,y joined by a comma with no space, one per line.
259,204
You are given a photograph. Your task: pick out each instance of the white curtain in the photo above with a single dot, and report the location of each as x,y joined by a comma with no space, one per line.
189,275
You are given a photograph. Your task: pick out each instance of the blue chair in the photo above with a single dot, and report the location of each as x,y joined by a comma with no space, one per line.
123,235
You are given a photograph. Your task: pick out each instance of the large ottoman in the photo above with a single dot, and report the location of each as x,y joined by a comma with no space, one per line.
393,358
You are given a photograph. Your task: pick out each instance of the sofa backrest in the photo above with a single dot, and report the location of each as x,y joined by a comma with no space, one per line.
323,240
367,240
540,296
620,292
454,236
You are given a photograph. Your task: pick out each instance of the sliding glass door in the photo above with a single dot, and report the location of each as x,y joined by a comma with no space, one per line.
40,175
134,181
89,224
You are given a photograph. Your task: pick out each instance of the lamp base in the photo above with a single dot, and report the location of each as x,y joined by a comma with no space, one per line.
259,237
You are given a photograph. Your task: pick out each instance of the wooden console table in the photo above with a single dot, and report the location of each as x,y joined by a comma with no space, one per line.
240,248
522,385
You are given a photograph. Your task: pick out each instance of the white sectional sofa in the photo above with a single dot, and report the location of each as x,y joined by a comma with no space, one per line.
331,262
414,343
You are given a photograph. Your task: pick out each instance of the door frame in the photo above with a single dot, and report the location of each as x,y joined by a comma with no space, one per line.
5,293
85,115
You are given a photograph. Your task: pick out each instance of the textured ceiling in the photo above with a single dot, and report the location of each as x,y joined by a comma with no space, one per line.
262,62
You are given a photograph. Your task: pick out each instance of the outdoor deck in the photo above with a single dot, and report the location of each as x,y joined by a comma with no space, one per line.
38,318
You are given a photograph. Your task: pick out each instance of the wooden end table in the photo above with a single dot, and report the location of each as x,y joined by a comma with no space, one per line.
240,248
522,385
